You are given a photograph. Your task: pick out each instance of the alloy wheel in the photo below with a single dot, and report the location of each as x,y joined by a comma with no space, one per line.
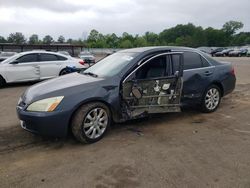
95,123
212,99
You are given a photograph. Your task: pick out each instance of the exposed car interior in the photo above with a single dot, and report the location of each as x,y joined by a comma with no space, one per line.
153,69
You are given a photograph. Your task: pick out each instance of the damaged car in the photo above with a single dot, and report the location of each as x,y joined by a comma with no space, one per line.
126,85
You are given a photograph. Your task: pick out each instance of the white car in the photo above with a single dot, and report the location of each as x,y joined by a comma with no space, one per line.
37,65
87,57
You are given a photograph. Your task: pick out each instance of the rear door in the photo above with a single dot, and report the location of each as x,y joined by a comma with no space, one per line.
152,87
25,68
50,65
197,76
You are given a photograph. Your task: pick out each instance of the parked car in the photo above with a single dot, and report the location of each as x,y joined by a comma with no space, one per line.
6,55
223,53
207,50
87,57
213,52
248,52
126,85
238,53
36,65
64,53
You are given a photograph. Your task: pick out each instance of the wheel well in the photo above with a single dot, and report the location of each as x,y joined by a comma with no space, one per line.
84,103
218,84
61,71
2,78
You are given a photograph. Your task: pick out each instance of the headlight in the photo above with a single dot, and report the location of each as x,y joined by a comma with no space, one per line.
45,105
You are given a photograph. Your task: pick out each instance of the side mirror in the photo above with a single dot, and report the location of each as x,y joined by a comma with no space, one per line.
136,92
14,62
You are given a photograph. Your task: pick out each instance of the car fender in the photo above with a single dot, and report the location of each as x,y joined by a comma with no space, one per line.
3,73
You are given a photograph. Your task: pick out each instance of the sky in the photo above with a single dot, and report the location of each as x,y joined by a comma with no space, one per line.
76,18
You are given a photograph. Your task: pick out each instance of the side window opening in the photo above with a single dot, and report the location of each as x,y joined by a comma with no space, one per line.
175,59
61,58
155,68
204,62
48,57
28,58
192,60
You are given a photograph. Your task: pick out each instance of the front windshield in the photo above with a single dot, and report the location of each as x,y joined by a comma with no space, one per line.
9,59
111,65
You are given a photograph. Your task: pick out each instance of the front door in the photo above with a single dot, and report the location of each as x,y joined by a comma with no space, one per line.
25,68
152,87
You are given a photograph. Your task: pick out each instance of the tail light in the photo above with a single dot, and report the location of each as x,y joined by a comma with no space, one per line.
81,62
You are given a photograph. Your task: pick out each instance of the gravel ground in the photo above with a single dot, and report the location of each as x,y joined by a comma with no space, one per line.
187,149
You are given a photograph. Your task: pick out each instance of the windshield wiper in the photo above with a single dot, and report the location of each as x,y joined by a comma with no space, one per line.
90,74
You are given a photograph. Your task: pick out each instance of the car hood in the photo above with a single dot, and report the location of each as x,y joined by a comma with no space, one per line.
60,86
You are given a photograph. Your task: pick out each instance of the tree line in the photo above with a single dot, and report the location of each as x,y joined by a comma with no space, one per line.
180,35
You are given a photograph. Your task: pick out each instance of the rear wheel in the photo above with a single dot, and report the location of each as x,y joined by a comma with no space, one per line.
64,72
2,81
211,99
91,122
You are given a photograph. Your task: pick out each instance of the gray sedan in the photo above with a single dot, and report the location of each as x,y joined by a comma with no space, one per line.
126,85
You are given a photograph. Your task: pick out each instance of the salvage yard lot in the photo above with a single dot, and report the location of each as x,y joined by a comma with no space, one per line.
187,149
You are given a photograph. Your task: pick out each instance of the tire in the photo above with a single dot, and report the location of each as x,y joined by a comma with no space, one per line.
211,99
2,82
85,125
64,72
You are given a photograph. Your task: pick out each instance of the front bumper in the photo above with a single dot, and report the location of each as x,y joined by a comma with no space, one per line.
53,124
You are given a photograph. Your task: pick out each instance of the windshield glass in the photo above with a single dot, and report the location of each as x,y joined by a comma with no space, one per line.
111,65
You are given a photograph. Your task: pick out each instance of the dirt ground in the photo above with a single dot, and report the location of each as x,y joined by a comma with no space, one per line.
187,149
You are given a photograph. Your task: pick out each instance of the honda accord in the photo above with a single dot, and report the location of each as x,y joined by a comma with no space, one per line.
129,84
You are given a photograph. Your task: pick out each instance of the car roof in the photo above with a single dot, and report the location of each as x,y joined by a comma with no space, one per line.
155,48
39,51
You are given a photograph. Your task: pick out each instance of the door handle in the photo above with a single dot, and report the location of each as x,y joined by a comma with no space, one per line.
208,73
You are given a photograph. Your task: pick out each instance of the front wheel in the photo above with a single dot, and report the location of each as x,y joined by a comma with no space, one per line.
211,99
91,122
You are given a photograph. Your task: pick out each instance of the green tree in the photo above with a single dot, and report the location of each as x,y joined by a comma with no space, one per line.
16,38
231,27
47,39
184,41
170,35
140,42
216,37
34,39
93,36
61,39
151,38
112,40
2,40
247,40
126,44
70,41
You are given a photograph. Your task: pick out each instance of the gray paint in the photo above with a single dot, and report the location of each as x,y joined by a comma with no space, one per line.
78,89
